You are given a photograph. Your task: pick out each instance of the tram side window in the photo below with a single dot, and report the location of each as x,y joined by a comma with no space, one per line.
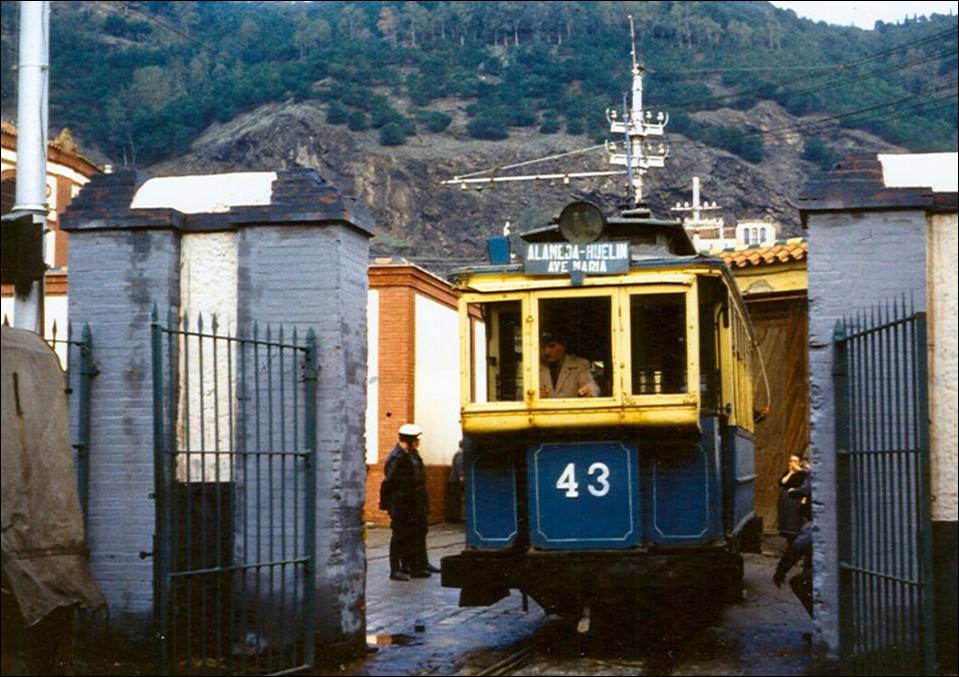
497,352
658,343
711,295
575,347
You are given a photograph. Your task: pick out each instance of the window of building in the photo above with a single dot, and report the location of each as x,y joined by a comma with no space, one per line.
762,235
658,343
575,347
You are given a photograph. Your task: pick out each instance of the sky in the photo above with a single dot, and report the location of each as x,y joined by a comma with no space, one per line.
865,14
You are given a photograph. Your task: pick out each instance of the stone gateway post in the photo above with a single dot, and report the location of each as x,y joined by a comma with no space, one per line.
252,249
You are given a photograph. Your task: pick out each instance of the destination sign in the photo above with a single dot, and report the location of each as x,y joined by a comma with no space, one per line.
595,258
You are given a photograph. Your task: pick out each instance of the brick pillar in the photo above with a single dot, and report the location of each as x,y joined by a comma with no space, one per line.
301,261
120,265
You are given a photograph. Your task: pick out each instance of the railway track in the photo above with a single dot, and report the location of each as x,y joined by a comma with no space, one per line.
516,660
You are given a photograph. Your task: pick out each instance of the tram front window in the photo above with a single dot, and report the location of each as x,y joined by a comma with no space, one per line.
497,352
658,343
575,347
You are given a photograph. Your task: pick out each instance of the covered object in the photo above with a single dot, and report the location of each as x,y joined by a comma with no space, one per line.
45,563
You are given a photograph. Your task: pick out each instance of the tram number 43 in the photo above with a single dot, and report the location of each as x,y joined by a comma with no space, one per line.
598,486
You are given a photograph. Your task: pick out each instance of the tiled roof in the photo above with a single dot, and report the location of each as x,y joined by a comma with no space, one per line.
782,251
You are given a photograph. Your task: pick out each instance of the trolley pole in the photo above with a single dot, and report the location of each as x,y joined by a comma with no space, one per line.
31,195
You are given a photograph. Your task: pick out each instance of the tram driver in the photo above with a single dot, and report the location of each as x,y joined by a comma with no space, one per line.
562,374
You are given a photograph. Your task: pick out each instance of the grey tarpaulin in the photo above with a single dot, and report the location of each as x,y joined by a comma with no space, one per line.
44,549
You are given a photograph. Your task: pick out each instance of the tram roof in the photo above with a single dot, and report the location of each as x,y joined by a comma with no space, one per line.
638,230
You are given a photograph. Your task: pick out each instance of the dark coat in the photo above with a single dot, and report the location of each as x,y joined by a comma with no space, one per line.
403,491
790,517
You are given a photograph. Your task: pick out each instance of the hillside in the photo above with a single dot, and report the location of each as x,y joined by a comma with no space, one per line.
388,98
441,226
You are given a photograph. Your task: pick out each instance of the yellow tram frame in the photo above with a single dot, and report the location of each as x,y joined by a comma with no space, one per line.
621,408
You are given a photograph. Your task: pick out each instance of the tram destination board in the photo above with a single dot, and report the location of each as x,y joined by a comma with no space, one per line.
595,258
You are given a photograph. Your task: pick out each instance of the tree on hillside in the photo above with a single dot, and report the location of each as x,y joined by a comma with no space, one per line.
417,20
310,34
387,25
392,135
352,21
154,87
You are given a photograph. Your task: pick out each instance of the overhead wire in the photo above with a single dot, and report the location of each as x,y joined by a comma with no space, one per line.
844,66
819,122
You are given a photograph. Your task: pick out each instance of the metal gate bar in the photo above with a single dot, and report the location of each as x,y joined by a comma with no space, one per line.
78,350
235,447
884,526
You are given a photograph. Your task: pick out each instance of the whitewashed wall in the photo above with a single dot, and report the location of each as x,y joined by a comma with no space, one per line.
208,287
372,376
437,386
942,276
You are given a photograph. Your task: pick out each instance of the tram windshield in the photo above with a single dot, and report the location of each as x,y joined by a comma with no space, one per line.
572,342
575,347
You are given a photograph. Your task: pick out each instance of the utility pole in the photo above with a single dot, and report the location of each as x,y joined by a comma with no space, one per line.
31,196
698,223
634,152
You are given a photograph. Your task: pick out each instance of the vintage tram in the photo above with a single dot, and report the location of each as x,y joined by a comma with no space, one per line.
608,498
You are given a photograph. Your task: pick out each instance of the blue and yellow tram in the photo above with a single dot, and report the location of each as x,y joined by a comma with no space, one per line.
643,485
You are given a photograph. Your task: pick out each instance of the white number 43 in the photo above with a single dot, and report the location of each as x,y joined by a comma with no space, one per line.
567,480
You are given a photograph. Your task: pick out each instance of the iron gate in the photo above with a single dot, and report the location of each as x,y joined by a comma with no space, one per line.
884,527
77,355
234,463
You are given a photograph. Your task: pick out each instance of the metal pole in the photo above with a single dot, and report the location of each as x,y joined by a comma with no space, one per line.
309,526
928,620
34,69
162,499
840,376
87,372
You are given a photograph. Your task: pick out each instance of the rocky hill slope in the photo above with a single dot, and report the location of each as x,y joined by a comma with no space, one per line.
442,227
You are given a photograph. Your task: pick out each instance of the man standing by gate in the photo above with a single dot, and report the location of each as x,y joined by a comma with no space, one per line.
403,495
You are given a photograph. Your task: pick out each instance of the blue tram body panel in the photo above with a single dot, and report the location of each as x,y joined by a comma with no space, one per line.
740,475
685,505
491,510
583,495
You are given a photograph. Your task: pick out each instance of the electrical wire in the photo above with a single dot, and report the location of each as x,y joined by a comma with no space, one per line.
530,162
815,124
852,64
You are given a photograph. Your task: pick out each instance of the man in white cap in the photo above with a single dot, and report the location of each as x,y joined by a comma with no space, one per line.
403,495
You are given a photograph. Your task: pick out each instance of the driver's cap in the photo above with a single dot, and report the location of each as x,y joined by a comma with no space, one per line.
410,430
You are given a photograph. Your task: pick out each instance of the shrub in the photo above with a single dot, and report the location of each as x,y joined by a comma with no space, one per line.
336,113
434,120
357,121
549,126
392,134
816,151
487,127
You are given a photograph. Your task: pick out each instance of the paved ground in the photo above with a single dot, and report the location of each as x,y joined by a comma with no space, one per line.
419,629
449,633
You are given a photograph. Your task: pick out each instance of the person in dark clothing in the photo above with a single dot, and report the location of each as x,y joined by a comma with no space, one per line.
403,495
800,548
790,521
454,488
801,583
